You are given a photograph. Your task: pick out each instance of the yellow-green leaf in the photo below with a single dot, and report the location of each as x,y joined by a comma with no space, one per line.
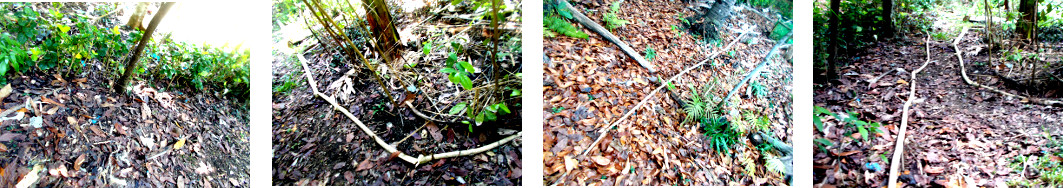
179,144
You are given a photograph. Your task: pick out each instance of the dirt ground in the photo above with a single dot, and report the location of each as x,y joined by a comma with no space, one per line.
958,133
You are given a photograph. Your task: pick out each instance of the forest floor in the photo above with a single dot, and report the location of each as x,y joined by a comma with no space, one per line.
89,136
313,144
589,83
957,135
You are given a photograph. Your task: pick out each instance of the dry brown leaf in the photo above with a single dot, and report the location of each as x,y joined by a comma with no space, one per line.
96,129
50,101
145,111
71,120
935,169
365,164
570,163
5,91
3,147
78,161
600,160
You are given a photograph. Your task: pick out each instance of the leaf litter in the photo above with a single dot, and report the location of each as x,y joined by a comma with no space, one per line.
589,82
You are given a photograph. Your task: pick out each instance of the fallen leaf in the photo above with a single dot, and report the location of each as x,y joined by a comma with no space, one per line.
30,178
96,129
5,91
363,165
901,81
349,176
145,111
50,101
570,163
179,144
600,160
935,170
78,161
3,147
72,120
120,129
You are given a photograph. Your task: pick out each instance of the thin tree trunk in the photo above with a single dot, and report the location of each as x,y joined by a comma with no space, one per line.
130,65
832,32
383,28
137,19
1028,8
887,17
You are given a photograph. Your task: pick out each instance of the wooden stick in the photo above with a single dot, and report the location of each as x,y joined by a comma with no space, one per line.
755,70
416,161
590,24
898,149
605,129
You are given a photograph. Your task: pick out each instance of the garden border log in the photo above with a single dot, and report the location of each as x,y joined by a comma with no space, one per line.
590,24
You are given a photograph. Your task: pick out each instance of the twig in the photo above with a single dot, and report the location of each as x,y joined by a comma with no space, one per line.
605,129
755,70
963,72
590,24
895,164
420,159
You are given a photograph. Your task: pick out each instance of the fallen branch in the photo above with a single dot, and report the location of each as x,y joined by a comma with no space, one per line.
416,161
963,72
590,24
898,149
755,70
604,130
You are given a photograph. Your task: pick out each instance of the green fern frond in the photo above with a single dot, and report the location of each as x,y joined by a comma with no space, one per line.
775,164
562,26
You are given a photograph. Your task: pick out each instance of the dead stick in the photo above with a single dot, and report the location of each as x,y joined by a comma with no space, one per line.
590,24
963,72
420,159
605,129
755,70
898,149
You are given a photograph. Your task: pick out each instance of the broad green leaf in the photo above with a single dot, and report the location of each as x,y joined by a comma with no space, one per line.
465,82
427,47
515,93
503,107
457,108
451,59
825,142
489,116
818,122
468,66
863,131
479,118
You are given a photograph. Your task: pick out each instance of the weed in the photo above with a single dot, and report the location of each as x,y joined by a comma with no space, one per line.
650,53
612,21
562,26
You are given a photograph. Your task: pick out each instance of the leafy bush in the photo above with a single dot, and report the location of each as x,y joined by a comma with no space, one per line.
611,20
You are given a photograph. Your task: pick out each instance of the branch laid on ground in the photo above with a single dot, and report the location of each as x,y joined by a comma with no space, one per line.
604,130
898,149
755,70
593,26
416,161
963,72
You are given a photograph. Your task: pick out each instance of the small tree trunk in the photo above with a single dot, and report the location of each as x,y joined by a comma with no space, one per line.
137,19
1028,8
380,22
887,17
832,32
130,65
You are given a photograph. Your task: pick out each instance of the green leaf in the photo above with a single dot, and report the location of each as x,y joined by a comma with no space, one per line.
863,131
465,82
479,118
427,47
451,59
468,66
448,70
503,107
563,11
457,108
489,116
818,122
821,110
825,142
516,92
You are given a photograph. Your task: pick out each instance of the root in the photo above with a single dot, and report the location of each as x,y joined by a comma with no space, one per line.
416,161
963,72
898,149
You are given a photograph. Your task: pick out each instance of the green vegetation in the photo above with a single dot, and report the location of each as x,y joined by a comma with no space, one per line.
721,132
611,20
71,42
864,128
650,53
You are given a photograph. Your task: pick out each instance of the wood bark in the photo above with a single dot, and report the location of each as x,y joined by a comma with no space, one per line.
887,18
593,26
378,16
898,150
137,19
832,34
130,65
1026,27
